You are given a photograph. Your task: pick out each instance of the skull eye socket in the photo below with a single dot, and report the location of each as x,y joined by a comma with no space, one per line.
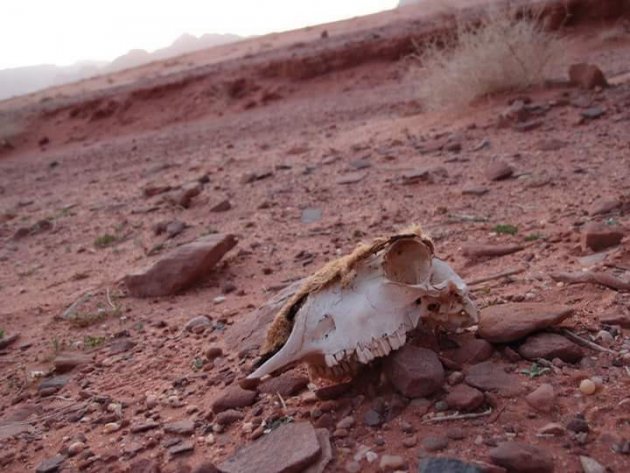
418,301
433,307
407,261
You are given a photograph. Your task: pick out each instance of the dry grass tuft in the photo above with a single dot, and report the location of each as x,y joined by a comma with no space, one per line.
502,52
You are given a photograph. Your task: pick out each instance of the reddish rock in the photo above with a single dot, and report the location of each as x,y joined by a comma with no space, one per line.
587,76
233,398
290,448
604,206
222,206
185,196
489,376
615,319
228,417
543,398
598,237
477,250
287,384
506,323
473,351
415,371
145,465
550,346
518,457
499,170
180,427
50,465
67,361
6,342
181,268
464,398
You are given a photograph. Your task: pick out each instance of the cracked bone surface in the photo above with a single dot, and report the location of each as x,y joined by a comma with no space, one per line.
362,306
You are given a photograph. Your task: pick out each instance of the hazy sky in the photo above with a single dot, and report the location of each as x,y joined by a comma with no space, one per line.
65,31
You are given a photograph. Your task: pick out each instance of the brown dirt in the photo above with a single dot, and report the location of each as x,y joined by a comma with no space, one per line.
271,107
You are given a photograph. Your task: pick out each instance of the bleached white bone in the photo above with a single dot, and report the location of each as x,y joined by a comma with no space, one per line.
391,292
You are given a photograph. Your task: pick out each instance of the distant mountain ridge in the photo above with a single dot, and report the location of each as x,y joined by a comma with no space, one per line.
24,80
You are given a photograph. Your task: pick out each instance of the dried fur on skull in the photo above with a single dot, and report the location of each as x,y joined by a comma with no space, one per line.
339,270
375,295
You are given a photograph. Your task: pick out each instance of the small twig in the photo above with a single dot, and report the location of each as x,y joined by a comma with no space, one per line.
284,404
109,299
500,275
584,342
458,416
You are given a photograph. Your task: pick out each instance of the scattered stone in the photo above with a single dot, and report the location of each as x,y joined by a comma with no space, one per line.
143,426
67,361
590,465
551,144
598,236
499,170
288,449
345,423
181,447
510,322
121,345
411,441
522,458
476,191
185,196
214,352
473,351
392,463
550,346
592,113
415,371
233,397
144,465
446,465
429,175
604,205
6,342
615,319
50,465
111,427
323,437
586,76
75,448
352,467
372,418
588,387
198,324
489,376
435,444
152,190
13,429
181,427
351,178
287,384
222,206
228,417
543,398
476,250
52,385
578,424
181,268
332,391
553,429
464,398
311,215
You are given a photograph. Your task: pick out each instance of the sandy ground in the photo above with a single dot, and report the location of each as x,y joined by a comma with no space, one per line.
77,178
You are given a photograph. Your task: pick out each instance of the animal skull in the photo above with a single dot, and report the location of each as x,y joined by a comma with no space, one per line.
362,307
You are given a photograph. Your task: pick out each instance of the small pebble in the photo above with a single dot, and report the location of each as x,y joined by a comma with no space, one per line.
75,448
111,427
588,387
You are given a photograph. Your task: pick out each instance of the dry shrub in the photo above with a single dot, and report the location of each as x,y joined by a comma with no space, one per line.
502,52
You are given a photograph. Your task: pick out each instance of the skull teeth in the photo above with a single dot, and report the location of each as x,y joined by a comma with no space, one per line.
330,360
